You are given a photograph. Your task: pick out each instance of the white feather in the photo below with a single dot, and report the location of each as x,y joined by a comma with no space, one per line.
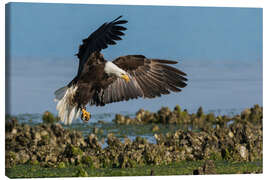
112,69
77,113
71,115
67,108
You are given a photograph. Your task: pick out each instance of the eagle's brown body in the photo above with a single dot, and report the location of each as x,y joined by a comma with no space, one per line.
98,82
91,80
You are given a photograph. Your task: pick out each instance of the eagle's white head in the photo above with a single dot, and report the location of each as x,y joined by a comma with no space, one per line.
112,70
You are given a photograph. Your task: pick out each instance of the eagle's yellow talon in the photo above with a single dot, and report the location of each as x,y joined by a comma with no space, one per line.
85,115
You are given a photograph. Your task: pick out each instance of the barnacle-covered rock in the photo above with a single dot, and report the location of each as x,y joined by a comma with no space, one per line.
92,142
48,117
113,141
51,145
155,128
11,123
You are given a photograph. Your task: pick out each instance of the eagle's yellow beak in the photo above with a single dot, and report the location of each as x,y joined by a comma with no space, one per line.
125,77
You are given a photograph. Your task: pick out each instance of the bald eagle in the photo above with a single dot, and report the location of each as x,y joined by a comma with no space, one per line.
99,82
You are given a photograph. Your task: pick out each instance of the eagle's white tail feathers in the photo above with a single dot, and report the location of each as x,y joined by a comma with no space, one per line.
67,108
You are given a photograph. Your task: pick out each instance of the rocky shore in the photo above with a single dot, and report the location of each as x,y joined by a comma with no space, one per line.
237,138
198,119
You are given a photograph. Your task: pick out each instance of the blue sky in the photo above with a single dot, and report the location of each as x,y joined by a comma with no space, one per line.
219,48
193,33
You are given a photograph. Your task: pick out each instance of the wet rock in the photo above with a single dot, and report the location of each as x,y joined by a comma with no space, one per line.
48,117
23,156
57,129
231,135
11,123
209,167
155,128
101,122
119,119
95,130
197,120
112,140
242,150
33,160
72,151
92,142
198,171
14,131
11,159
88,160
211,118
177,109
200,112
50,144
245,114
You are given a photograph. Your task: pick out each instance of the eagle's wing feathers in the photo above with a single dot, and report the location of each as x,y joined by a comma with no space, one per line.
149,78
105,35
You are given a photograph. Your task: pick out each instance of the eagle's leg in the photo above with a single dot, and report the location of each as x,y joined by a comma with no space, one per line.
85,115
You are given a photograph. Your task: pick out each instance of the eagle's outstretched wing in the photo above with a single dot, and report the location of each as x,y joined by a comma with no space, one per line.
149,78
105,35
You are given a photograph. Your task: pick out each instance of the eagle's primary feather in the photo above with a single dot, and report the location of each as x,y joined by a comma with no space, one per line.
99,82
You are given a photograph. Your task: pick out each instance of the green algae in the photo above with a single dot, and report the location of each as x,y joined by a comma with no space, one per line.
180,168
